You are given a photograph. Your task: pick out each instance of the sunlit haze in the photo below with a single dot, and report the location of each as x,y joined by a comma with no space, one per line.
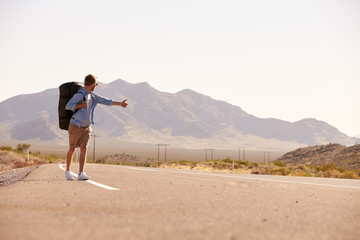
275,59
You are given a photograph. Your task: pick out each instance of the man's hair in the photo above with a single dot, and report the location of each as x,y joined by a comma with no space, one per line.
89,79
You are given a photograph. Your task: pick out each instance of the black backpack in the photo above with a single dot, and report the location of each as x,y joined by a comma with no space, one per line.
67,91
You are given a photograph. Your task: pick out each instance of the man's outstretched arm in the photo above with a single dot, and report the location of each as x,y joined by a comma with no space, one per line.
123,103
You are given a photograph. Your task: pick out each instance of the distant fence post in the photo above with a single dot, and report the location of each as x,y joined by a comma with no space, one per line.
233,167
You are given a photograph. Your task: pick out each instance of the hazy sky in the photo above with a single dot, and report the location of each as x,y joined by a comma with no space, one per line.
282,59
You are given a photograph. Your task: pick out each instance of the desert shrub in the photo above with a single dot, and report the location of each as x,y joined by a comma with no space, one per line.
259,170
350,175
100,160
187,163
6,148
222,164
39,162
245,163
183,162
279,164
302,168
8,157
51,158
341,169
22,147
315,168
227,160
278,171
327,167
301,173
332,173
19,164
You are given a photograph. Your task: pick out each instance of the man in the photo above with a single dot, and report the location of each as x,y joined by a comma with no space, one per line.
79,130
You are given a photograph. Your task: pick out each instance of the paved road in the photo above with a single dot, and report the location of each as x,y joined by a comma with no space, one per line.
173,204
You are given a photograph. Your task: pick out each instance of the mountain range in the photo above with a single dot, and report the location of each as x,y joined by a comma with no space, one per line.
184,119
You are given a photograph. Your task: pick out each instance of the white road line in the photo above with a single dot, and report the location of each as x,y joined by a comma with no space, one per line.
143,169
253,178
91,181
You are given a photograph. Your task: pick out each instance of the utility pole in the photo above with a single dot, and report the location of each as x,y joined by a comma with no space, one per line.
211,151
165,145
158,156
158,145
264,157
243,153
95,136
268,157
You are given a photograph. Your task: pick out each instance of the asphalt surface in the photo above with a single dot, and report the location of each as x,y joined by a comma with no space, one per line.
147,203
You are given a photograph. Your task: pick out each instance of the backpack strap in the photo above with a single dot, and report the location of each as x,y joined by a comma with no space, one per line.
83,101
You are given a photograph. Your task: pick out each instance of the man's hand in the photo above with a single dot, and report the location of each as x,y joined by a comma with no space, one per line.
81,105
123,103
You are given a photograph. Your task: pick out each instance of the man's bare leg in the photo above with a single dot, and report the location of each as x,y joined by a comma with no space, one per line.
83,152
69,157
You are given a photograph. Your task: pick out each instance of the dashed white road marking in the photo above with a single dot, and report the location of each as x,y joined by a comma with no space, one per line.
91,181
251,178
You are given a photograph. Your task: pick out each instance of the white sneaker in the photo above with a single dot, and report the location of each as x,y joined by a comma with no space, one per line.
68,175
82,176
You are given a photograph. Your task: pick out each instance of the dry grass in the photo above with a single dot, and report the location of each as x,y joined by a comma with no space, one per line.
10,159
274,168
124,159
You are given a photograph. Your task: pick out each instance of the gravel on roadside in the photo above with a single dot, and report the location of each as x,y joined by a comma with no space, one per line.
10,176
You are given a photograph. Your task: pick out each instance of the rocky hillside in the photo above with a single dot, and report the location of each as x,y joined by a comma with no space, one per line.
341,156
